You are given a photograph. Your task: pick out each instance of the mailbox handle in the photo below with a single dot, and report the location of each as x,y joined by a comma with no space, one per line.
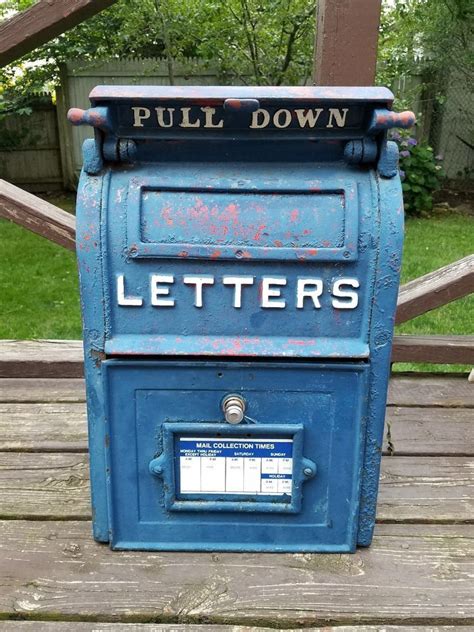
386,119
96,117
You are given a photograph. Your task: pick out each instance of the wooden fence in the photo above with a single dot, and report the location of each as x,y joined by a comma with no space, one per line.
43,152
48,150
78,79
30,148
446,124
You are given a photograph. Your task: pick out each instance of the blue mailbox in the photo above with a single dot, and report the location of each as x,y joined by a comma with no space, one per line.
239,254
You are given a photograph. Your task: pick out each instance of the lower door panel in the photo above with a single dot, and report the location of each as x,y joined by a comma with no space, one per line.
286,478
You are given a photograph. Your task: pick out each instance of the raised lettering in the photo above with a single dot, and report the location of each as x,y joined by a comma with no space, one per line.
139,115
282,118
156,291
256,116
126,301
198,282
308,118
308,288
238,282
185,122
339,292
161,119
209,112
335,115
269,294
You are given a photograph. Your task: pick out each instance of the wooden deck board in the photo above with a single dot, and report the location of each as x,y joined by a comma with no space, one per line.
418,572
62,427
43,427
432,391
412,489
74,626
41,358
434,431
423,489
41,390
422,575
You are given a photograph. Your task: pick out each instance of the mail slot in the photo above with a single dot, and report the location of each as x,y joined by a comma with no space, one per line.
239,254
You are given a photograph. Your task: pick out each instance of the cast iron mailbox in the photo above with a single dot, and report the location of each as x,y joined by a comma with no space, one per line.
239,252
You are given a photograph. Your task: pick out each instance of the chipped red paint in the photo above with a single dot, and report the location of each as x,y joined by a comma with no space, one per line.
241,346
300,343
75,116
233,104
96,119
166,215
258,234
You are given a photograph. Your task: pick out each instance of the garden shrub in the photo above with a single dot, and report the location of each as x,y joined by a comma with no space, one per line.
421,174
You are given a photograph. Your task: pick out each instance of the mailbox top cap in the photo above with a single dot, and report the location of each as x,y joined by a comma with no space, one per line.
219,93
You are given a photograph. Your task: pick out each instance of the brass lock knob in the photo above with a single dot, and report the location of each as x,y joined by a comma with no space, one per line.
234,408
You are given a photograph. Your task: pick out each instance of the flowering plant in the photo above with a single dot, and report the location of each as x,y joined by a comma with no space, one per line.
421,173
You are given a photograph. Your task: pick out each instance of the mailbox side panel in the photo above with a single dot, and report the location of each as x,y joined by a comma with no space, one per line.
384,305
89,243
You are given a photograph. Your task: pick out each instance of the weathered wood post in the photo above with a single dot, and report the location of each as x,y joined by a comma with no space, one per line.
346,42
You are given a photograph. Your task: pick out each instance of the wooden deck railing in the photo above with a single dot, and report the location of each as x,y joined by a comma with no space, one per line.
415,298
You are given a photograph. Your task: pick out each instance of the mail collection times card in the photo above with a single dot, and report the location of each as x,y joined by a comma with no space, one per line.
235,466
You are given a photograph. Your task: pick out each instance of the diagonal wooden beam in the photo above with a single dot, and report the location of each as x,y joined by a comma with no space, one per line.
435,289
42,22
37,215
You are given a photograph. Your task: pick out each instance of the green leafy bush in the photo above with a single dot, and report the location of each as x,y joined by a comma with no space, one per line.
421,174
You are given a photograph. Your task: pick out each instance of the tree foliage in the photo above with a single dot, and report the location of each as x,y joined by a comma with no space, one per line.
427,38
248,41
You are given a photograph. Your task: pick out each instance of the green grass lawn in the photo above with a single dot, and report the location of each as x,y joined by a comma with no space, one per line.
430,244
40,292
40,295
